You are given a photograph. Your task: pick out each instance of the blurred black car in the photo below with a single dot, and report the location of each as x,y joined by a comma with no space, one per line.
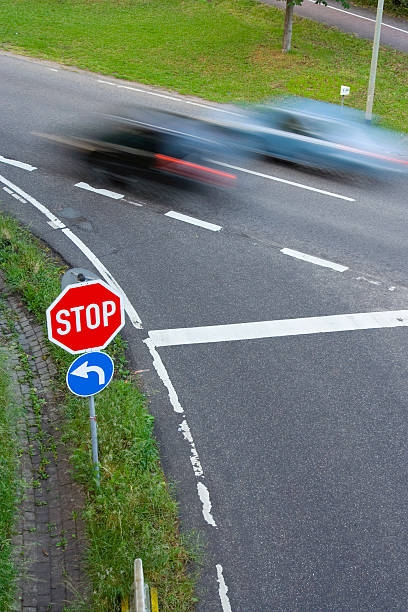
149,142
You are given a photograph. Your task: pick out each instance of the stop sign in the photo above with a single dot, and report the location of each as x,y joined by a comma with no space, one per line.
85,317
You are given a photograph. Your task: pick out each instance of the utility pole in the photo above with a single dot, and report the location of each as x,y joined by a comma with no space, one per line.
374,58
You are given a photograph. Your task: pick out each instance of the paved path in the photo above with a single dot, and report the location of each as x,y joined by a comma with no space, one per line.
49,541
355,20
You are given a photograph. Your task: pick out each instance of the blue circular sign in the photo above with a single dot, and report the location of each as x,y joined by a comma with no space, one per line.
90,373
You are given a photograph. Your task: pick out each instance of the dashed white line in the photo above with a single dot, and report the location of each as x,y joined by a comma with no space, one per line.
202,490
193,221
19,198
131,312
133,203
223,590
18,164
204,496
104,192
194,458
314,260
279,328
281,180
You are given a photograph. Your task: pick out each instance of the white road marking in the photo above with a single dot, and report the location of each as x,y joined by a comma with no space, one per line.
210,226
185,430
131,312
279,328
54,222
53,69
164,377
334,8
315,260
18,164
31,200
368,280
204,495
104,192
19,198
104,272
194,458
223,590
167,97
133,203
281,180
55,225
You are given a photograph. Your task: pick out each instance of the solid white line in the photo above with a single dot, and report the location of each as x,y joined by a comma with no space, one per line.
281,180
167,97
279,328
204,496
334,8
104,272
314,260
210,226
32,201
104,192
18,164
223,590
131,312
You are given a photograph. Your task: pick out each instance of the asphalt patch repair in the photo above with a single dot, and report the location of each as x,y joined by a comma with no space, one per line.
49,540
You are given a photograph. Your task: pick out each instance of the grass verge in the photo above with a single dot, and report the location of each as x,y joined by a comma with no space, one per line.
133,514
224,50
8,486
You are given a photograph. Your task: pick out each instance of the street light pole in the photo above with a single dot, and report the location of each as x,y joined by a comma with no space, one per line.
374,58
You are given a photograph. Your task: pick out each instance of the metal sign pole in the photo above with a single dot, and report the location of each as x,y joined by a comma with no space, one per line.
94,437
374,59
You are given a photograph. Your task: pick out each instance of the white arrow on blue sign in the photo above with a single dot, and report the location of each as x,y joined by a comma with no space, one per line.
90,373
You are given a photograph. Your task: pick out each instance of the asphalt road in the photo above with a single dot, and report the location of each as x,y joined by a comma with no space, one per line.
354,20
282,422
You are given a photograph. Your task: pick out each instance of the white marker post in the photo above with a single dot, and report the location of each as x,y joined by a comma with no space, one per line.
344,91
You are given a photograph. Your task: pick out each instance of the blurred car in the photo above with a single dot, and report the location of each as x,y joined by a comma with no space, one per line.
316,134
147,142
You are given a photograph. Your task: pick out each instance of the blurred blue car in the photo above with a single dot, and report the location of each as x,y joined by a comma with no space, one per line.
316,134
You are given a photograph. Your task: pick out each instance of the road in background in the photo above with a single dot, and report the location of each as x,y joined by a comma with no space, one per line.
354,20
300,439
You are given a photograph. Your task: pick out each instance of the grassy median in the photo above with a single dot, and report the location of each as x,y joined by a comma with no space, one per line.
225,50
133,513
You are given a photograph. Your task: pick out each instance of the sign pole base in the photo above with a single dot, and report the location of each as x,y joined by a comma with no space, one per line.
94,438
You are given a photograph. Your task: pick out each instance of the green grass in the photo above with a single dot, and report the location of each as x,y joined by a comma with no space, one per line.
133,514
8,486
224,50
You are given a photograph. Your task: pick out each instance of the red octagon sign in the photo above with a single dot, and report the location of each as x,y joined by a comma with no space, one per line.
85,317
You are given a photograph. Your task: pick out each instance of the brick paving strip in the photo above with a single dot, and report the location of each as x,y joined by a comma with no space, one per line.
49,542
